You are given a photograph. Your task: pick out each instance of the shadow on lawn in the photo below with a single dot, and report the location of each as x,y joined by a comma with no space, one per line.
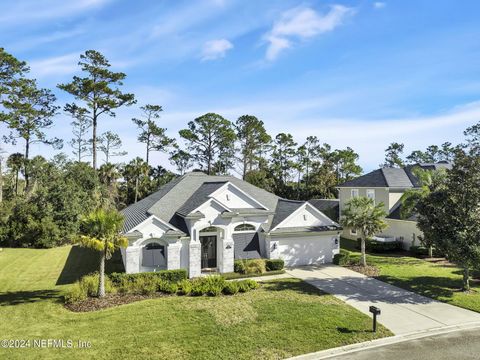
82,261
293,285
24,297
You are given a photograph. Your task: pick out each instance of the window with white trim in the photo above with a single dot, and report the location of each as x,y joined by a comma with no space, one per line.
354,193
371,194
353,231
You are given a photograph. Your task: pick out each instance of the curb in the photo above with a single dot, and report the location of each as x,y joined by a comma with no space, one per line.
352,348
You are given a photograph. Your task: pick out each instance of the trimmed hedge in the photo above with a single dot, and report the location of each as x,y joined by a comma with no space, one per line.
234,275
166,275
257,266
380,246
423,251
274,264
343,258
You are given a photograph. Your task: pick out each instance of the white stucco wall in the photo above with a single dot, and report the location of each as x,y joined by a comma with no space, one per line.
233,198
305,216
404,231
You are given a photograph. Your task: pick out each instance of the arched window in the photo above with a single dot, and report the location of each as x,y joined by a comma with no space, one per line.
154,255
244,227
209,229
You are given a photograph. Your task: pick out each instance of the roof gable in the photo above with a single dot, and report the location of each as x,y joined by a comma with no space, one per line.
234,198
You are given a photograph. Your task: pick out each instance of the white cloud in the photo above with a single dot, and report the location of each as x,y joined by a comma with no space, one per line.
216,49
379,5
302,23
58,65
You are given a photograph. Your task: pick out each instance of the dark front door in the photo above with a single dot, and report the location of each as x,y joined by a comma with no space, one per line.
209,251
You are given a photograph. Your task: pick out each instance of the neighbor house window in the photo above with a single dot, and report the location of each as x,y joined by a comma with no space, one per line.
371,194
354,193
244,227
353,231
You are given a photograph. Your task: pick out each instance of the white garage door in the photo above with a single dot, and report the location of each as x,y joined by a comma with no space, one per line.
307,250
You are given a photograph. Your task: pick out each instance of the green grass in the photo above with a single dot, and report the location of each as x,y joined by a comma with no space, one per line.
438,281
283,318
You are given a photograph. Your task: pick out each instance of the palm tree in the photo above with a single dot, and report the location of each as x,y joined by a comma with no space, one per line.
16,162
100,231
108,175
428,181
138,170
363,215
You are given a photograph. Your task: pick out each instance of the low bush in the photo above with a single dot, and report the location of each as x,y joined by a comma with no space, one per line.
87,286
239,266
184,287
234,275
380,246
167,275
247,285
343,258
231,288
423,251
167,287
255,266
199,287
274,264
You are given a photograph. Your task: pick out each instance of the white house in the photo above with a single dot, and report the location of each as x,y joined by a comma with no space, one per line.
203,223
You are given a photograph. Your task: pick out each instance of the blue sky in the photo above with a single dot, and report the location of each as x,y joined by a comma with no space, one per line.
354,73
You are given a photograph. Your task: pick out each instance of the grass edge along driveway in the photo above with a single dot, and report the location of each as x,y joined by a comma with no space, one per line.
438,280
286,317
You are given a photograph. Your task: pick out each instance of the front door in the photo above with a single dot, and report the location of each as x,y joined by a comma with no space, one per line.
209,251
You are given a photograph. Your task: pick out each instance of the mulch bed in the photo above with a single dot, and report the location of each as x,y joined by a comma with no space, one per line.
368,270
110,300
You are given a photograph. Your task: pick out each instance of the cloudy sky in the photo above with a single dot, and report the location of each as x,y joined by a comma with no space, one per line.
354,73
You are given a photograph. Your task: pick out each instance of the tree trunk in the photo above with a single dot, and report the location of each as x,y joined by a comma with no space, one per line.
136,189
364,254
430,251
101,276
94,142
27,154
466,279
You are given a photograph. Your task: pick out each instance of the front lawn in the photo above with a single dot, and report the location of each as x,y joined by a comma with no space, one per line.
283,318
438,280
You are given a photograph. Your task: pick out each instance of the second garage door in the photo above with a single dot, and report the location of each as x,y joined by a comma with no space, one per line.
307,250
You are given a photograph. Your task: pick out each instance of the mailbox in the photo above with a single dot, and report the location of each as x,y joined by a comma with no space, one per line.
375,311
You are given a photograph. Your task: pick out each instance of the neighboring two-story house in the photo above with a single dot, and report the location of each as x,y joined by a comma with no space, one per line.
387,185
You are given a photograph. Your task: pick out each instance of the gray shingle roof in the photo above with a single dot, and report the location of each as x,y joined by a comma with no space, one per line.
330,207
170,198
402,178
284,209
396,213
199,197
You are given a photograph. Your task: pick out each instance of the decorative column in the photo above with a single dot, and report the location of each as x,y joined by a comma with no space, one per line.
227,258
132,259
173,256
194,259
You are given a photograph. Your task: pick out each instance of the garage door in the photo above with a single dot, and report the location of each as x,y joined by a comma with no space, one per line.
308,250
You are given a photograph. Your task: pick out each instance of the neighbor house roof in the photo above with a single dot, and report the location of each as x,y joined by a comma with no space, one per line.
330,207
396,213
176,195
401,178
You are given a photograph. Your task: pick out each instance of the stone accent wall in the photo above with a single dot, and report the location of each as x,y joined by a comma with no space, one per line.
132,260
227,259
195,265
173,256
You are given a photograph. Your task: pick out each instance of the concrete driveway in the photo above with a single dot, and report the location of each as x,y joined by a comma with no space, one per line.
403,312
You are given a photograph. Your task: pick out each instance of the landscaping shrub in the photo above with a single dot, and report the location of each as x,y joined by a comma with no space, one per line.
87,286
239,266
167,275
380,246
423,251
274,264
343,258
185,287
234,275
214,285
199,287
166,287
255,266
231,288
247,285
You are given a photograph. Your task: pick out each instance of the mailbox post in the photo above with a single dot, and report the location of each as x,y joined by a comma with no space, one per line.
375,311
